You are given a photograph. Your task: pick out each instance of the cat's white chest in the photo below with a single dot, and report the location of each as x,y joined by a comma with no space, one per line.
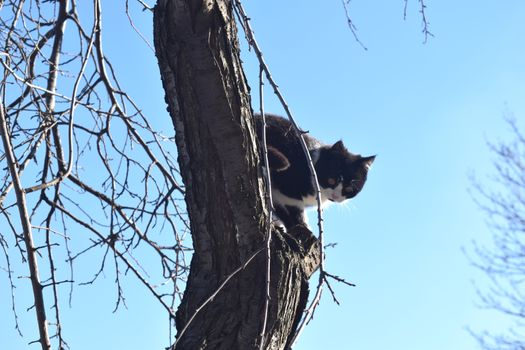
308,201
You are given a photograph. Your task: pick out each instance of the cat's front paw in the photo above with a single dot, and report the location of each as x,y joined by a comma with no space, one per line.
279,225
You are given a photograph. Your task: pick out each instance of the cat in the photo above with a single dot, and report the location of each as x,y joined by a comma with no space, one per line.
341,174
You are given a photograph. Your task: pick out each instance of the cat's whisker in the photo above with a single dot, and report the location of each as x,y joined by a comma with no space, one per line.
351,206
344,207
348,206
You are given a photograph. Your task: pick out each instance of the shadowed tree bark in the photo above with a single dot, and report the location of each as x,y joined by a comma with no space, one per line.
209,102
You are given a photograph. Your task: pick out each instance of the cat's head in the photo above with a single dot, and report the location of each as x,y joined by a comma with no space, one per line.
341,174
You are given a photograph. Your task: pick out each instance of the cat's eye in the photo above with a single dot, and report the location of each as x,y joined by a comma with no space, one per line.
335,180
353,187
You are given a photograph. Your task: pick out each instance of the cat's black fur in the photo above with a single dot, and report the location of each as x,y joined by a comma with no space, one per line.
341,174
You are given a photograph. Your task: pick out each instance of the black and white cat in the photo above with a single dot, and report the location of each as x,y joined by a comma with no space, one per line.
341,174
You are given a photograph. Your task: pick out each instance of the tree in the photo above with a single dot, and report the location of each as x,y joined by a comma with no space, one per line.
504,261
248,282
86,178
209,102
135,193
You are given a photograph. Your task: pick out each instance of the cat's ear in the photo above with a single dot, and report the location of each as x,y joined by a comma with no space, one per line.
367,161
339,146
277,160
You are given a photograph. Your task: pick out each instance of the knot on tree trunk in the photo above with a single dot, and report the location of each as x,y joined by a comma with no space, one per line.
306,245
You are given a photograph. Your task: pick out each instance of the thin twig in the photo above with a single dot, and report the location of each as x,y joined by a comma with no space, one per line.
424,22
214,294
350,23
245,21
269,204
132,23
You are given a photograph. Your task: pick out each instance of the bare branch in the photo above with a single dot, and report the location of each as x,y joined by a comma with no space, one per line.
27,233
504,261
353,28
424,22
68,120
245,22
269,201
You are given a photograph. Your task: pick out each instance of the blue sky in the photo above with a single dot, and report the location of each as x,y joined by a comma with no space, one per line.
425,110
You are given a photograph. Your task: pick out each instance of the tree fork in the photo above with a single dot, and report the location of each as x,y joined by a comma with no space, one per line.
209,102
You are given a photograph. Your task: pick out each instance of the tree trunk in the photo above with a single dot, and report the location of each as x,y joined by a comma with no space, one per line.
209,102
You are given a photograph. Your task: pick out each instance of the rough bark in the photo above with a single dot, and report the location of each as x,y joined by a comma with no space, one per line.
209,102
